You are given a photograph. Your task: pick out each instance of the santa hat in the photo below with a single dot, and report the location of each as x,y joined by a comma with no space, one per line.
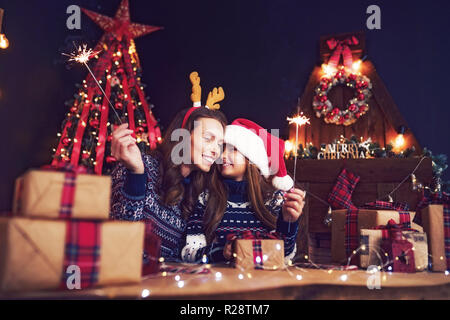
261,148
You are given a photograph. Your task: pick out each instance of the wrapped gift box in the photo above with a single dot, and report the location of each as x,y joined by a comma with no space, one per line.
371,253
50,194
41,254
437,227
367,219
267,254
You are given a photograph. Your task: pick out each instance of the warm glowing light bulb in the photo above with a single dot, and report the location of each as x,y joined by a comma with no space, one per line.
288,146
356,65
4,42
399,141
328,70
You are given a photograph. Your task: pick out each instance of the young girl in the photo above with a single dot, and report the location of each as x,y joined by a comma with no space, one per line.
157,188
247,201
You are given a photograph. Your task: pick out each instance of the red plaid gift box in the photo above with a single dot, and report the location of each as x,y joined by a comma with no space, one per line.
51,254
62,193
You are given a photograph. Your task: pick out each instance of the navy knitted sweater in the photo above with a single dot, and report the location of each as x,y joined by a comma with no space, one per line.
238,216
135,198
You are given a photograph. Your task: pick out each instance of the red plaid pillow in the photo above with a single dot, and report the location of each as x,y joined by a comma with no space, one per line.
340,196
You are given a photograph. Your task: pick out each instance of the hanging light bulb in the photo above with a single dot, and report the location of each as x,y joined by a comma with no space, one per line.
4,42
328,218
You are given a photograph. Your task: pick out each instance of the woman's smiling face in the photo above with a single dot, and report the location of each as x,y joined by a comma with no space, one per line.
206,143
233,163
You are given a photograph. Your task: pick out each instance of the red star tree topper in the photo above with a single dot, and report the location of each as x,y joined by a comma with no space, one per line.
86,132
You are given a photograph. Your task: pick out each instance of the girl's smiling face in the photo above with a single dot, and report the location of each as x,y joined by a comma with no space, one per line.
233,164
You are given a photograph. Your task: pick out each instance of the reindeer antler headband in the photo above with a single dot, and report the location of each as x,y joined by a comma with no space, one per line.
215,96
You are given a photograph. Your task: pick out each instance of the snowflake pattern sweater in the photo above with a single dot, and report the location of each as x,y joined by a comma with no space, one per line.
135,198
238,216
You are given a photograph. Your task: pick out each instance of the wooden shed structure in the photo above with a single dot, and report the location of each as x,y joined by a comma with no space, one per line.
378,176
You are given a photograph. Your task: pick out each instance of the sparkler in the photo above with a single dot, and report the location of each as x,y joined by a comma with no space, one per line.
299,121
82,56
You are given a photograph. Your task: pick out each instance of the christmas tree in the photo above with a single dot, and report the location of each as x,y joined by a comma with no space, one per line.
86,131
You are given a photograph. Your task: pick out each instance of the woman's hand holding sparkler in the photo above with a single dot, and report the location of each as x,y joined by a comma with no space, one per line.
125,149
293,205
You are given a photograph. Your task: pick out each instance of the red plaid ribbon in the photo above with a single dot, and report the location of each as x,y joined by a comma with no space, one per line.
69,186
392,225
82,249
256,236
341,194
152,250
383,205
442,198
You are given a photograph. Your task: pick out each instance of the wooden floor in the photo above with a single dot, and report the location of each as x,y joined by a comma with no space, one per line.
292,283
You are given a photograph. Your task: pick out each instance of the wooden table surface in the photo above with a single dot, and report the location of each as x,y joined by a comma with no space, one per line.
224,282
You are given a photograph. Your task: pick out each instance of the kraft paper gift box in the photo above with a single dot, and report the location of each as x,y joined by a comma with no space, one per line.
371,253
44,254
367,219
433,221
267,254
49,194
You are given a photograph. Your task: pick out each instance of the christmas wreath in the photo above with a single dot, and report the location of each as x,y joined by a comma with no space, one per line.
356,107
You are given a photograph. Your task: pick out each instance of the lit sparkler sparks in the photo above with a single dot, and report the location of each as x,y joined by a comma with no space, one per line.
83,55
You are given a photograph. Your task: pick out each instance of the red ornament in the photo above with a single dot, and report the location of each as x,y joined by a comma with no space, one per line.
65,141
73,109
352,107
109,139
363,108
139,130
85,155
335,111
361,96
323,98
352,77
94,123
324,87
119,105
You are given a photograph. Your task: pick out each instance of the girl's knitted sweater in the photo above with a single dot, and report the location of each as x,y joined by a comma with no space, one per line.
135,198
238,216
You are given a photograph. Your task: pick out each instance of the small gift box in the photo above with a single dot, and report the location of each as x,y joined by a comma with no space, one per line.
436,223
399,253
255,250
68,254
371,252
64,194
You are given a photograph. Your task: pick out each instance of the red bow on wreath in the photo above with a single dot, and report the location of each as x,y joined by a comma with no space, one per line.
341,47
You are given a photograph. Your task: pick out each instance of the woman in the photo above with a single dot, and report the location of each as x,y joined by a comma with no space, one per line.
158,188
248,201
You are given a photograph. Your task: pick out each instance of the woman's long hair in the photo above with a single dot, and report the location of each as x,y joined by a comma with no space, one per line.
172,190
259,190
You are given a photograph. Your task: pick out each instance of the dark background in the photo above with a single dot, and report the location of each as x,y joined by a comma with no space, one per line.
261,52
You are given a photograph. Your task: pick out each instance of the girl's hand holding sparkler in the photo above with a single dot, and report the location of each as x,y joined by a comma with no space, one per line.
125,149
293,205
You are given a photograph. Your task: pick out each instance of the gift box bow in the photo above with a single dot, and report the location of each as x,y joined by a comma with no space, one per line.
392,226
254,235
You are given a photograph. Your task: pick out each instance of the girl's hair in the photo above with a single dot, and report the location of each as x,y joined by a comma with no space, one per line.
172,190
259,190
